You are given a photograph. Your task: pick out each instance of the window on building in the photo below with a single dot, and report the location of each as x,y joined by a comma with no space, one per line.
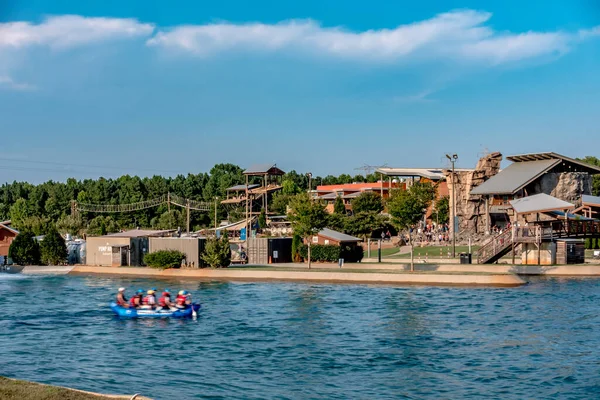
326,241
315,239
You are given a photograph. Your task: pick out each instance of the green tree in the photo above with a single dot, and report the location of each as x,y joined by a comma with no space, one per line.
407,207
367,202
280,203
337,222
217,252
170,220
36,225
338,206
102,225
296,243
595,161
290,187
70,224
19,213
262,219
442,209
307,218
24,249
364,223
53,249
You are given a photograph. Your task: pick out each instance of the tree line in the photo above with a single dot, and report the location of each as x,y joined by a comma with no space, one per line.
39,208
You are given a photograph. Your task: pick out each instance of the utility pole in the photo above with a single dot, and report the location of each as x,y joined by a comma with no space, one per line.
216,212
187,207
453,159
169,202
309,174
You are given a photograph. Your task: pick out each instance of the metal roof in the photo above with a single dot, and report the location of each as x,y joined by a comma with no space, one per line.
569,216
593,200
430,173
553,156
515,177
6,226
539,203
339,236
135,233
242,187
262,169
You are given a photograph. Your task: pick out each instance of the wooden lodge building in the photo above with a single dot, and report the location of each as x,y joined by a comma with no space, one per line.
549,173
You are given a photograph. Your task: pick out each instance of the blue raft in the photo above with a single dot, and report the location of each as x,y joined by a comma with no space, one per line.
147,313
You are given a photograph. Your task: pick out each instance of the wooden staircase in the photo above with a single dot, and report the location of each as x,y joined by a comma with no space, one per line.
497,247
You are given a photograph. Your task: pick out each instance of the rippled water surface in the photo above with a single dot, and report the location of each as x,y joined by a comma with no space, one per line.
301,341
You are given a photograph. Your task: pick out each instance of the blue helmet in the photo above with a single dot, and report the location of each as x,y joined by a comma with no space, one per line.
167,290
154,289
140,291
185,292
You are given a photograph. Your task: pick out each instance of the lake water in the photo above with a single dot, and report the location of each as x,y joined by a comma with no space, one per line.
306,341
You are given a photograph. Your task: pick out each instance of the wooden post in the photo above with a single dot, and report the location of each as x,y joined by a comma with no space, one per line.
169,202
381,184
487,216
187,207
247,195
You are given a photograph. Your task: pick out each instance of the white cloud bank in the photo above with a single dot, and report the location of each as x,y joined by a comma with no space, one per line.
60,32
459,35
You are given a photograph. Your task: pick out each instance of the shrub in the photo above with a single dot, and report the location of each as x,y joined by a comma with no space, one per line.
320,252
332,253
53,248
217,252
296,244
164,259
24,250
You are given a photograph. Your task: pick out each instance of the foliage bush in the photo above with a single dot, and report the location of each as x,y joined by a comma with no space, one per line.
164,259
592,244
53,249
217,252
296,243
24,249
332,253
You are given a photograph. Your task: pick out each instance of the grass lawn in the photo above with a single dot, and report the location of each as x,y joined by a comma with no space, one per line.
434,251
22,390
384,252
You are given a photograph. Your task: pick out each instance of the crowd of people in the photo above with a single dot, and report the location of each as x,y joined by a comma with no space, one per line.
149,301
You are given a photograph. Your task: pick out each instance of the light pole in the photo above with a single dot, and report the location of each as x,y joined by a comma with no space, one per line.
453,159
309,174
216,198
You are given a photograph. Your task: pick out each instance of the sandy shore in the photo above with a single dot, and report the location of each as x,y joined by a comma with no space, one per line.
316,275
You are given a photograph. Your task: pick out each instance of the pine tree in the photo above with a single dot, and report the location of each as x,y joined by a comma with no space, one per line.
24,250
338,206
53,248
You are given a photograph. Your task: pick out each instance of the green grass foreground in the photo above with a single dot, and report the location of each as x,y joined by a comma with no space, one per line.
11,389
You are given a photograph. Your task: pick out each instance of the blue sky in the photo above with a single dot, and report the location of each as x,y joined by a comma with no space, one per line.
141,87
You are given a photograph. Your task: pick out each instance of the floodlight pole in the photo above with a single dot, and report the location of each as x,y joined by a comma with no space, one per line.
453,159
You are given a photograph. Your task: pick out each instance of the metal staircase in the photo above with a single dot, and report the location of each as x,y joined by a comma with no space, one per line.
497,247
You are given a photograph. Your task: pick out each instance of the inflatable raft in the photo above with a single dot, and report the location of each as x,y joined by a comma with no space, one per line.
149,313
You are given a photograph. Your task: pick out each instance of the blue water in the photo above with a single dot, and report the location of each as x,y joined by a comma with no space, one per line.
306,341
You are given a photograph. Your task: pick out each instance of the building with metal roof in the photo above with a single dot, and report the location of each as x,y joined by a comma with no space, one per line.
330,237
7,235
551,174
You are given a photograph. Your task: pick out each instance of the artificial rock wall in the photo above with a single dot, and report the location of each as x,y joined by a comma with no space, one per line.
567,186
471,209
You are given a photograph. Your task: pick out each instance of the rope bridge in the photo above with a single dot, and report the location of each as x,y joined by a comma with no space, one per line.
142,205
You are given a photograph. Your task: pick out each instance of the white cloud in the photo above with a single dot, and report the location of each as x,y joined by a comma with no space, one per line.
8,83
458,34
69,31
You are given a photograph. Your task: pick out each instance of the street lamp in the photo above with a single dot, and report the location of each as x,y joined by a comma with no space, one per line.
309,174
453,159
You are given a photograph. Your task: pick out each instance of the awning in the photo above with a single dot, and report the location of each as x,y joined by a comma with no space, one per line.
539,203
